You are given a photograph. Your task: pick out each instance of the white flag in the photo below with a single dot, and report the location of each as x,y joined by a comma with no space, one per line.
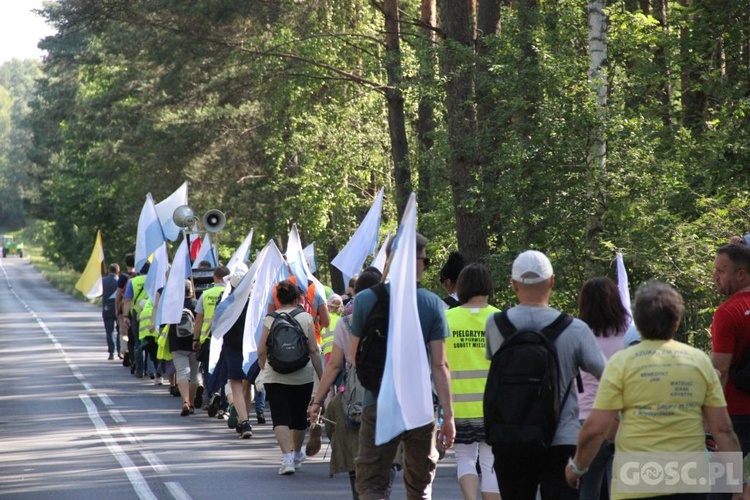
270,262
405,398
166,208
622,284
363,243
379,260
150,235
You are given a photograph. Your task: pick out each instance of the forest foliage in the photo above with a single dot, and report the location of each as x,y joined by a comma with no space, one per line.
284,111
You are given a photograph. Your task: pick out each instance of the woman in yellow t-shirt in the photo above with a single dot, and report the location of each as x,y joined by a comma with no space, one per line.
663,390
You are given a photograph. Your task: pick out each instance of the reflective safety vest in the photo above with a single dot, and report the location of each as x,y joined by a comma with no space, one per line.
139,293
307,303
327,336
210,298
144,323
465,351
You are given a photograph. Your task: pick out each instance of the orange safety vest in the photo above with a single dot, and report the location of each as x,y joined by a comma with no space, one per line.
307,304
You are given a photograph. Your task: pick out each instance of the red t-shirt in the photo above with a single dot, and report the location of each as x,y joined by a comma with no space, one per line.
730,334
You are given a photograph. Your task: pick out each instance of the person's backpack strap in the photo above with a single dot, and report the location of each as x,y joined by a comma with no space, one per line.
504,326
380,291
553,330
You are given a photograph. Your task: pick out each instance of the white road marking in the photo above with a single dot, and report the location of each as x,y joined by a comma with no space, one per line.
155,463
117,416
136,479
178,491
105,399
131,471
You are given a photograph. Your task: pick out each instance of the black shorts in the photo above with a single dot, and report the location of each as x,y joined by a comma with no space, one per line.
289,404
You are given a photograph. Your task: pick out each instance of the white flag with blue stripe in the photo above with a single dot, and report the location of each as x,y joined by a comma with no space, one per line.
309,252
172,297
363,242
295,257
405,398
166,208
240,255
157,272
150,235
206,252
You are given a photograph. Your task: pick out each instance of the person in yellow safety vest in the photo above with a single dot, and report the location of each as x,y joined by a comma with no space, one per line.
204,317
147,337
335,311
131,310
465,350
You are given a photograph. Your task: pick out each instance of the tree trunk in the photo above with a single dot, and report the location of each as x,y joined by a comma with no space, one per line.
395,99
660,58
426,107
597,155
692,97
457,18
488,26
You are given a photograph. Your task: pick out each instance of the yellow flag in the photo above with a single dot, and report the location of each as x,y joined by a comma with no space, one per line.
90,282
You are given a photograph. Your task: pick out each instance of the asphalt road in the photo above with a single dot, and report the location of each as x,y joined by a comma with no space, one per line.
74,425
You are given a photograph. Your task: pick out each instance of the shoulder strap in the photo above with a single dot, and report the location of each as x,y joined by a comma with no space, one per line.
504,326
554,329
380,291
294,312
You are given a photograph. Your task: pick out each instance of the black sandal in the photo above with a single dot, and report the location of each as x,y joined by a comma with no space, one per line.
185,410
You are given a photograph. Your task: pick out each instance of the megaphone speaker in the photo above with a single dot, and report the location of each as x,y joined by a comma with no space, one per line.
184,216
214,220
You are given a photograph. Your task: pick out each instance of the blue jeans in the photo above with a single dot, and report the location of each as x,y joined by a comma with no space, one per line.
600,471
113,337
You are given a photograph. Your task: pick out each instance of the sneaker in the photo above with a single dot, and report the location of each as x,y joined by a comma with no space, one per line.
298,459
198,399
313,442
245,430
213,405
111,356
151,376
222,414
233,418
138,375
159,381
261,417
287,468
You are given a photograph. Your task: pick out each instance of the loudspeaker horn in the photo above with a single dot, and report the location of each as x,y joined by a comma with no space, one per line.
184,216
214,220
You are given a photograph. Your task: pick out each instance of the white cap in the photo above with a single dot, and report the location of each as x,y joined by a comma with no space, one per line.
235,279
531,267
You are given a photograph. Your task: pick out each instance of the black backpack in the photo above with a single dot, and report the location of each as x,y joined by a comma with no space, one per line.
288,350
373,342
739,372
522,400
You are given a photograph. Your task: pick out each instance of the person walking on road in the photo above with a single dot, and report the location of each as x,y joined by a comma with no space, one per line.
289,393
109,312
